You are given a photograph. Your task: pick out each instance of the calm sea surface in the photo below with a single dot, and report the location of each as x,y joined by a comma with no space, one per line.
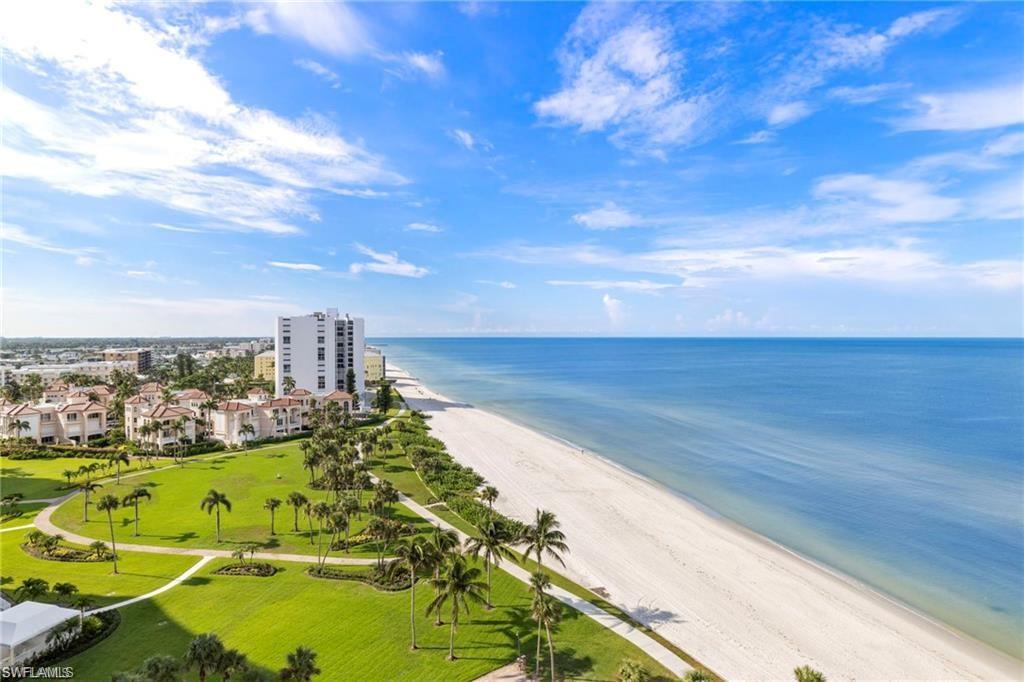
899,462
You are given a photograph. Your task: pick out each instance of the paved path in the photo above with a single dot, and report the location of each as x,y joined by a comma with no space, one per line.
160,590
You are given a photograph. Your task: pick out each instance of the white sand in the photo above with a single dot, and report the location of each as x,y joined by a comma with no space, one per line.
741,605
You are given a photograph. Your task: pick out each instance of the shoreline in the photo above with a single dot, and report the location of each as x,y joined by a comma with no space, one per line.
744,605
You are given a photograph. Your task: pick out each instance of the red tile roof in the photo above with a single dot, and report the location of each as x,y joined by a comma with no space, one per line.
81,407
233,406
24,408
338,396
281,402
136,400
163,411
192,394
151,387
300,392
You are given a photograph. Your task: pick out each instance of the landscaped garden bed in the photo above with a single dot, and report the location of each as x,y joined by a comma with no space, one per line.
94,629
257,569
384,579
49,547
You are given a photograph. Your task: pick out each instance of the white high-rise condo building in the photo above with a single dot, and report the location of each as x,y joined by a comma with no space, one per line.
318,350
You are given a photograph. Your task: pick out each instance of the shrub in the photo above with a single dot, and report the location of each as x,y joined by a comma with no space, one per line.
258,568
386,578
632,671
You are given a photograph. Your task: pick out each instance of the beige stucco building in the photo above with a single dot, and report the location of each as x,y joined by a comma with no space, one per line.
263,366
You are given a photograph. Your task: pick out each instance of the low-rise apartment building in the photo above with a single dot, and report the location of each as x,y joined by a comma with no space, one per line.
101,371
76,420
141,358
263,366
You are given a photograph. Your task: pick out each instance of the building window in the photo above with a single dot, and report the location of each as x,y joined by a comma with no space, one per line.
72,417
45,417
287,368
286,339
319,339
321,382
320,354
94,415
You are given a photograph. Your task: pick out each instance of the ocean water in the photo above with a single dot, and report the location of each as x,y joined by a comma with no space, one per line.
898,462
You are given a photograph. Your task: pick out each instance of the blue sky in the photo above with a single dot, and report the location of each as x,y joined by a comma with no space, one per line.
695,169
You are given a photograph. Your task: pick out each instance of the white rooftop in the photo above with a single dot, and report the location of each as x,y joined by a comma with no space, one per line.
26,620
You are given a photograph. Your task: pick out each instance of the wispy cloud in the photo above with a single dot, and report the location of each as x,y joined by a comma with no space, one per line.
503,284
16,234
318,69
423,227
788,113
175,228
386,263
607,217
614,309
138,115
331,27
865,94
992,107
286,265
759,137
469,140
637,286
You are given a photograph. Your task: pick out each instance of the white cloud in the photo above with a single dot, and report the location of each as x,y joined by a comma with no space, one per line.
728,319
430,65
1011,144
888,200
759,137
991,107
423,227
136,114
330,27
175,228
386,263
16,234
294,266
320,70
469,140
788,113
865,94
623,75
639,286
614,309
503,284
607,217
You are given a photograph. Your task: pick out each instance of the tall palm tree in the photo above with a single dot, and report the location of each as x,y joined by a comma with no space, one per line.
297,501
232,662
322,512
109,503
16,426
117,459
204,654
489,495
413,555
271,504
543,537
539,583
65,590
86,488
208,407
547,612
246,431
161,668
301,665
349,507
460,585
31,588
442,542
214,500
69,474
491,543
132,500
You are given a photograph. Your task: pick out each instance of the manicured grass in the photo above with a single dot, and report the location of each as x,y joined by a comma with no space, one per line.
27,511
173,518
43,478
357,632
138,573
395,466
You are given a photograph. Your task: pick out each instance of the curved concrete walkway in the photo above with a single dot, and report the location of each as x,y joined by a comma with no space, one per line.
163,588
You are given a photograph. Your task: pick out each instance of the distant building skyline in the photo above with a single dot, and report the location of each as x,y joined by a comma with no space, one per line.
725,169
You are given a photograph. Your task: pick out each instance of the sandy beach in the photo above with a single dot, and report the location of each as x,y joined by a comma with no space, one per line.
743,606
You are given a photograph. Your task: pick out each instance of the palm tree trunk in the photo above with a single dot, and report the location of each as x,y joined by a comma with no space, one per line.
272,522
295,525
551,651
536,675
412,604
136,517
319,540
218,523
488,562
451,632
309,519
85,510
113,543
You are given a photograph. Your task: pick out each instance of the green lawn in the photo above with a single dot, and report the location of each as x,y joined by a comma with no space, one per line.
173,517
357,632
396,467
41,478
138,573
28,512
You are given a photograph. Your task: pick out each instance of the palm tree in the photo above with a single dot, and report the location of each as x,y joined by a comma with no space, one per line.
16,426
296,500
543,537
86,487
69,474
204,654
547,612
322,511
489,495
413,554
271,504
806,673
348,506
118,459
697,675
132,500
99,548
161,668
491,543
246,431
460,585
442,542
207,407
301,665
232,662
65,590
539,583
31,588
214,500
81,603
109,503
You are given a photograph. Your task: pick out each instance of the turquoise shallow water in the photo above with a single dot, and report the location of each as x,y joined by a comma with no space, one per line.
899,462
